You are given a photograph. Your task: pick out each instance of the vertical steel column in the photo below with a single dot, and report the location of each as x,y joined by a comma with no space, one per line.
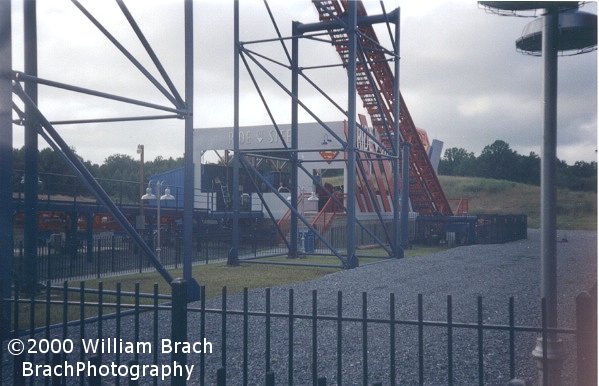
549,202
140,223
233,258
352,260
89,236
294,137
6,160
179,326
193,288
548,157
398,250
158,220
405,195
31,146
188,190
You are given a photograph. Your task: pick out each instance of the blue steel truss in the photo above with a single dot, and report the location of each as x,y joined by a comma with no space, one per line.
319,32
24,86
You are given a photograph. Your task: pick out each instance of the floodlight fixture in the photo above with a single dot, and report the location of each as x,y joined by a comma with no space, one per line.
525,8
577,34
149,195
167,195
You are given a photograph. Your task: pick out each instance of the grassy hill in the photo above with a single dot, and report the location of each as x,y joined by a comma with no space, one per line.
575,210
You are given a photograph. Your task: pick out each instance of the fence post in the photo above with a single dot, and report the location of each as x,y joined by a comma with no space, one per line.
98,258
206,250
586,339
18,268
48,263
132,381
57,360
140,257
177,252
89,237
221,377
179,324
14,321
18,378
270,378
72,252
96,379
112,252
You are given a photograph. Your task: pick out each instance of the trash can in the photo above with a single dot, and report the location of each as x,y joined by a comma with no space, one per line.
308,237
246,202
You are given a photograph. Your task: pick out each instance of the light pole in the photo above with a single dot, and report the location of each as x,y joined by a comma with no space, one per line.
167,196
141,222
561,28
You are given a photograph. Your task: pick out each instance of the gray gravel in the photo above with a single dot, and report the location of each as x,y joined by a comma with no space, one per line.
494,272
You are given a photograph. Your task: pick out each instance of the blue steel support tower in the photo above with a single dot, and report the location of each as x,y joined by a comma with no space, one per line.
6,160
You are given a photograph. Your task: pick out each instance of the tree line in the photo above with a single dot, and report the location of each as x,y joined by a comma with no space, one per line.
118,174
499,161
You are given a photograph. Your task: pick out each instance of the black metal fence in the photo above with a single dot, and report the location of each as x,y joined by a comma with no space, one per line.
496,229
60,260
264,345
478,229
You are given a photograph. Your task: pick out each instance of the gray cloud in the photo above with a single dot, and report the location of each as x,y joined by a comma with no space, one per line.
464,63
461,76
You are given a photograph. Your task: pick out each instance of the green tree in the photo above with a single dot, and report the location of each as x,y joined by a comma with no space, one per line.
580,176
584,169
161,164
457,162
56,175
499,161
118,175
529,169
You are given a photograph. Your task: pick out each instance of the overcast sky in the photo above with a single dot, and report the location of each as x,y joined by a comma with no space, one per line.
461,76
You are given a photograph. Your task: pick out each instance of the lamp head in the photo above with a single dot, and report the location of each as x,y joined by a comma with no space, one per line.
167,195
149,195
577,34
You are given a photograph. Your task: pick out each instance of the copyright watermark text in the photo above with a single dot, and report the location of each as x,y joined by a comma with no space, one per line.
105,346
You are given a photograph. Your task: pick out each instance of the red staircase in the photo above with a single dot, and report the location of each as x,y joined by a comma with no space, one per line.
426,194
284,222
461,208
323,220
329,212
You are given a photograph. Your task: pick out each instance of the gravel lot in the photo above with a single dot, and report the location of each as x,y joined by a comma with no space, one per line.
494,272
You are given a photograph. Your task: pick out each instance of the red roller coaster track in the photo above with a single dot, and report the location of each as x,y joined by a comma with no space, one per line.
426,194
